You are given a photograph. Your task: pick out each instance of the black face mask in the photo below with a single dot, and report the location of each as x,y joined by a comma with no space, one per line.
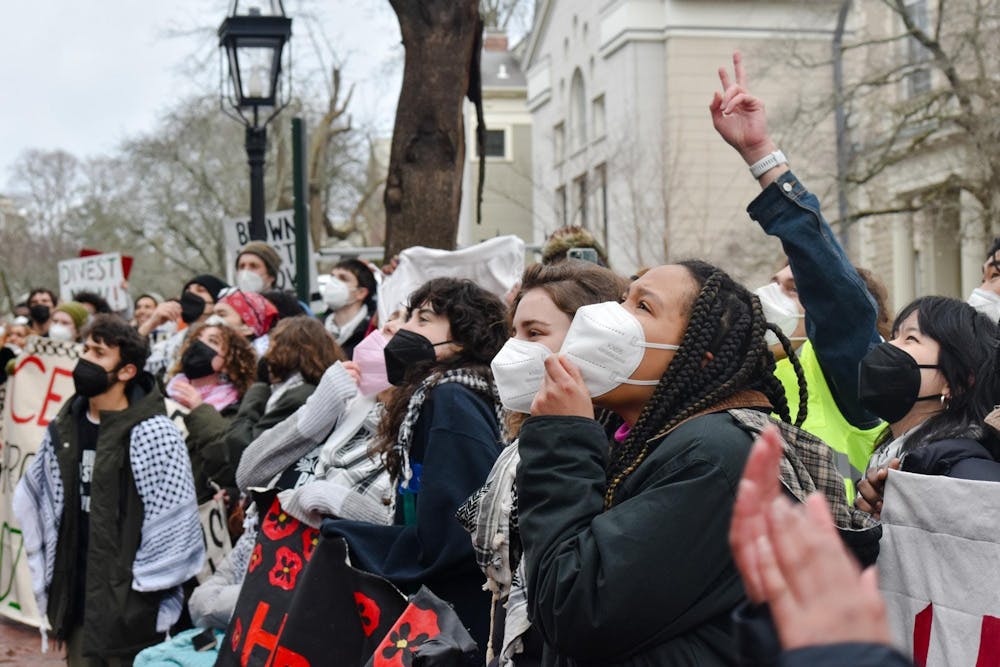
40,313
90,379
405,350
889,382
197,360
192,307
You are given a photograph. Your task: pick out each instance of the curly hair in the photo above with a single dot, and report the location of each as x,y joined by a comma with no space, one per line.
239,360
570,285
302,344
478,322
727,321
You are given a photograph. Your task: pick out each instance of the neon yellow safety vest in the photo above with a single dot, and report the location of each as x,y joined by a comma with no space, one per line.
852,446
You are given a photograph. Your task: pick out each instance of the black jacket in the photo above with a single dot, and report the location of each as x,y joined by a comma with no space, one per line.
117,620
841,655
650,581
963,458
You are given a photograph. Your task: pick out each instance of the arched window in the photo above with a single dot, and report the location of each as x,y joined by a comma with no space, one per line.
578,111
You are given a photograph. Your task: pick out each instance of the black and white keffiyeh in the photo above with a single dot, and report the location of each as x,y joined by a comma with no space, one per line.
477,382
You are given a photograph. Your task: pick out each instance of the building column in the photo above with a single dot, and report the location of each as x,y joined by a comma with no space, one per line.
974,242
903,269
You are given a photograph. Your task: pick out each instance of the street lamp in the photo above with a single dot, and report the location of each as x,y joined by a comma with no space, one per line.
253,40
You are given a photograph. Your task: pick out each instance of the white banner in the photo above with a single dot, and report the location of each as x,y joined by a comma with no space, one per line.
939,568
280,236
97,273
495,265
41,383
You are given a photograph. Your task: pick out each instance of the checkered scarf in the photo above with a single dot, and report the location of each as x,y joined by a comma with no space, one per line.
480,383
807,467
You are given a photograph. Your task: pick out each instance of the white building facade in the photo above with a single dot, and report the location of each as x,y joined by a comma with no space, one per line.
624,146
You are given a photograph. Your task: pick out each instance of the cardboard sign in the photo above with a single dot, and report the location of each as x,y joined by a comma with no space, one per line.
127,260
41,383
97,273
280,236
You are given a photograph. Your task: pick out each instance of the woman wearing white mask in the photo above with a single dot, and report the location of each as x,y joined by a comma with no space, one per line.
350,297
68,320
626,550
541,314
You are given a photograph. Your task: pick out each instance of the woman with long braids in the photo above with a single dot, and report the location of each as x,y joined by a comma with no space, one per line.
626,549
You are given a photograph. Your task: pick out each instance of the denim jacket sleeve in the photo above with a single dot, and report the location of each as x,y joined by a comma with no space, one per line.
840,313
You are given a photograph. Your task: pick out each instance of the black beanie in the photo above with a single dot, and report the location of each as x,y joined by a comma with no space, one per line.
213,284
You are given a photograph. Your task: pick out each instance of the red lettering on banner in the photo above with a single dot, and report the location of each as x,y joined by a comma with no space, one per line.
51,396
989,643
38,362
922,635
257,636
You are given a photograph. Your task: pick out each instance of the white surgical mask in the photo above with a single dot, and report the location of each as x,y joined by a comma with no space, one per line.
61,332
986,302
518,370
780,310
249,281
336,294
607,343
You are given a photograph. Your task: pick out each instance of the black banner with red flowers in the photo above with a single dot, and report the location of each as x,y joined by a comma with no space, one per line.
301,605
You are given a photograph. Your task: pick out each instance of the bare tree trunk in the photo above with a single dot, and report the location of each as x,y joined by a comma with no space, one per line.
423,192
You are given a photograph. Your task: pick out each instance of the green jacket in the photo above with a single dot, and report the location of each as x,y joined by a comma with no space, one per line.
650,581
118,621
252,419
206,429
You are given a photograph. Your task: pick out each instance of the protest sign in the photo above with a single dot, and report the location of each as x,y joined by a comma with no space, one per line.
42,381
97,273
939,568
495,265
280,236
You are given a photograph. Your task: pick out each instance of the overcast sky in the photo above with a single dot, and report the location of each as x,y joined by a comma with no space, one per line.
82,75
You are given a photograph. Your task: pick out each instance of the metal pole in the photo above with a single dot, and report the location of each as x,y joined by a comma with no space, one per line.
256,147
300,177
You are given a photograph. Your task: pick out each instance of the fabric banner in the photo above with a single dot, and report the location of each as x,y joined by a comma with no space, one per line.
215,532
939,568
42,381
495,265
302,604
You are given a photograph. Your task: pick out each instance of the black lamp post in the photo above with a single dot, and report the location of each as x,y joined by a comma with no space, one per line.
253,39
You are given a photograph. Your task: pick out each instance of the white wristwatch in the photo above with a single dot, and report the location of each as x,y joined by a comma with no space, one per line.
766,163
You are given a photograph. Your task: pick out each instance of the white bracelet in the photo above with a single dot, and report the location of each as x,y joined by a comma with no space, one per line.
767,163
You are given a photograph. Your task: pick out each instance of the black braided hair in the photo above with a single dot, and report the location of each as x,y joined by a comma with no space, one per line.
726,320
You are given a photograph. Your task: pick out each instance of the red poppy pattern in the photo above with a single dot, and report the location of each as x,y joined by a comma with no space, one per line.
310,538
369,612
412,630
237,634
278,524
255,558
286,569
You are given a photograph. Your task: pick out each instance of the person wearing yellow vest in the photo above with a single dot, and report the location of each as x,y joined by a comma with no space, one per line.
820,288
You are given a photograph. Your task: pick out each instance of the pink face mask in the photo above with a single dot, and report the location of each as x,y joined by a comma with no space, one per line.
370,359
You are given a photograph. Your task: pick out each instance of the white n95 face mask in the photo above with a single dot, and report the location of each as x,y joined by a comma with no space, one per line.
336,294
986,302
249,281
607,343
61,332
518,370
780,310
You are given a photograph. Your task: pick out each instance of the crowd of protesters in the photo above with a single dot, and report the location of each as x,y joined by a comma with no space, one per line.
653,468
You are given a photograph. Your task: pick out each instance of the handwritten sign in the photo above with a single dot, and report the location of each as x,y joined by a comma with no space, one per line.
41,383
97,273
280,236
